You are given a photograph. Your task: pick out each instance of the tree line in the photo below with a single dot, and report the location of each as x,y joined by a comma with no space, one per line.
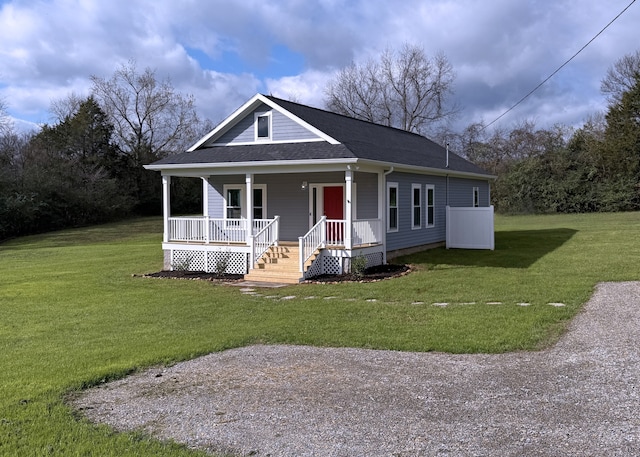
539,170
87,166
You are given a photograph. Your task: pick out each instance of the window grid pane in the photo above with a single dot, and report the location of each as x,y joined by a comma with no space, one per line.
430,206
263,127
257,204
416,221
234,204
392,192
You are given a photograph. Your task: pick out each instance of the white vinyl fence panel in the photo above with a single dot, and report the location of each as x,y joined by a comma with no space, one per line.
470,228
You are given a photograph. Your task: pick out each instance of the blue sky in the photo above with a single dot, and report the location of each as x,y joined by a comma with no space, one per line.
223,52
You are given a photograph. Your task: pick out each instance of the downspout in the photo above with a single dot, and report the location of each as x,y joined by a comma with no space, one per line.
447,186
446,192
384,215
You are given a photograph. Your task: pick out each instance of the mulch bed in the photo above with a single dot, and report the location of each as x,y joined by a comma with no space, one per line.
201,275
371,274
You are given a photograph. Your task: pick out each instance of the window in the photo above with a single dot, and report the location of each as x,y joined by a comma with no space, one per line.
476,197
392,207
263,126
431,205
233,202
416,204
259,201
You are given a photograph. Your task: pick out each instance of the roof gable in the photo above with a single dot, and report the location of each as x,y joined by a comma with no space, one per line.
237,129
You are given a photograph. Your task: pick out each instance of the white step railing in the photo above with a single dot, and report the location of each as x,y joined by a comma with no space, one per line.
203,229
266,237
312,240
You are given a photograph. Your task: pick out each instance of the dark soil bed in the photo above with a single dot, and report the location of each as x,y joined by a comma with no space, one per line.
376,273
195,275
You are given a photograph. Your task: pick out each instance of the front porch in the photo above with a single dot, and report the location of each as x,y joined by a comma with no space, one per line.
329,212
238,246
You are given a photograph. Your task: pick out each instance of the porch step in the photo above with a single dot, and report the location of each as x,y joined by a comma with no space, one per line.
279,264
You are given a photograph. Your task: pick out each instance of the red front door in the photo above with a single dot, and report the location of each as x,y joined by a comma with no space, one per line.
333,202
334,209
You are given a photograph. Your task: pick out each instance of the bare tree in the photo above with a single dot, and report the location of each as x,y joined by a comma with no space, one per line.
66,107
6,126
151,119
621,77
404,89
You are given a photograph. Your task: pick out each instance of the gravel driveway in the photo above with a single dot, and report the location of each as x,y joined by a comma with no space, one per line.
579,398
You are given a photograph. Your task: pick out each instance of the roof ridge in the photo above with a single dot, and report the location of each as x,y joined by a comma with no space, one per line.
355,119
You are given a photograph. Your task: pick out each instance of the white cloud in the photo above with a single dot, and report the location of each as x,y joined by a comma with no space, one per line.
500,49
306,88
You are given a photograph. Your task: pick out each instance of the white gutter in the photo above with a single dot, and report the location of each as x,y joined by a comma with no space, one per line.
425,170
265,163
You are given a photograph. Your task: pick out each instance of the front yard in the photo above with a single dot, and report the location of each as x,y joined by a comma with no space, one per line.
74,315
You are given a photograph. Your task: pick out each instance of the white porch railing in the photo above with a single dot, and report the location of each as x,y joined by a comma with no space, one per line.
367,231
266,237
335,231
331,232
203,229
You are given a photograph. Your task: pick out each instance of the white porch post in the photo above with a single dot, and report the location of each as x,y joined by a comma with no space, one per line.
249,198
166,206
205,209
382,213
205,195
348,230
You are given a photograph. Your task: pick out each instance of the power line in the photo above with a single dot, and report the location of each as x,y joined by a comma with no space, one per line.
559,68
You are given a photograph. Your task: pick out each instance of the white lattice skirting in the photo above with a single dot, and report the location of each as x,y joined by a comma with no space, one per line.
207,261
336,264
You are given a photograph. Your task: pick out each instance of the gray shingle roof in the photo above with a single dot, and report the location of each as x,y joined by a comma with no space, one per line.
261,153
359,139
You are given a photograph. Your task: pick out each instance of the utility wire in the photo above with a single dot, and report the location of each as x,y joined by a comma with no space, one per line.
559,68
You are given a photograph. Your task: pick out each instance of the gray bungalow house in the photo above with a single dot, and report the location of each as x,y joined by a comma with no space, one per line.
291,191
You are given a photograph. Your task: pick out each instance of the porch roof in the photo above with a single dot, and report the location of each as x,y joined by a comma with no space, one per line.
317,150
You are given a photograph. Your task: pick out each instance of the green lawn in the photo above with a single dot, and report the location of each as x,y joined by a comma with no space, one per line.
73,314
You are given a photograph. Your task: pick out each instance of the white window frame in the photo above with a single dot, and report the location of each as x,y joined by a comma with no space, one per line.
415,225
393,185
432,188
256,116
263,205
476,197
243,190
225,190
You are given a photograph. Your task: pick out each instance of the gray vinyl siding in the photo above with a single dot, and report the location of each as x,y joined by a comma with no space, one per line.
461,192
366,195
283,129
241,132
406,236
286,199
216,193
